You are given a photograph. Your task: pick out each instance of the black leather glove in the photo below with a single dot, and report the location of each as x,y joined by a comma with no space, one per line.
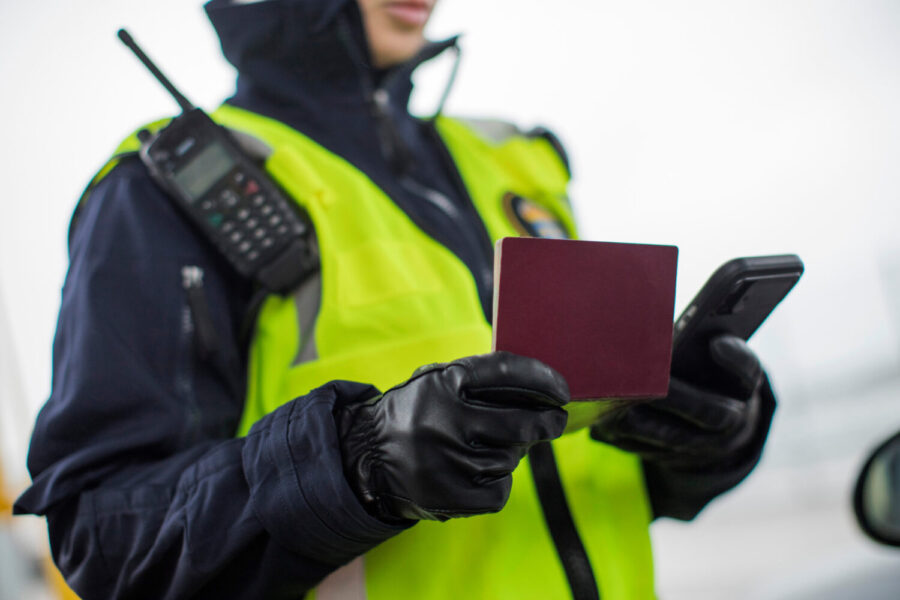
444,444
692,427
696,428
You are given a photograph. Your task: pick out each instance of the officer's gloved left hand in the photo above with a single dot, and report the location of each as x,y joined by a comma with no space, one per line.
444,444
698,441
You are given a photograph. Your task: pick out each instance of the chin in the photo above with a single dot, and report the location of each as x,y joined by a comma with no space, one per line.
397,53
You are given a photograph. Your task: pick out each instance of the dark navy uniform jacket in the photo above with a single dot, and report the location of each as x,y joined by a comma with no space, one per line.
146,490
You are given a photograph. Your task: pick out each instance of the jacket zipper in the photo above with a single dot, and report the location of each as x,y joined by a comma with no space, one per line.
192,282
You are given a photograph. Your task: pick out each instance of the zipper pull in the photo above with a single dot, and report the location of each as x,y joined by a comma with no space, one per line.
393,148
382,100
192,282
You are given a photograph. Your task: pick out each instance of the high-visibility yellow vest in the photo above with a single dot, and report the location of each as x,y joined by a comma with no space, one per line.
390,298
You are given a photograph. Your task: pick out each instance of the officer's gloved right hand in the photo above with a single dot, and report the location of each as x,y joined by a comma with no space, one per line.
444,443
698,427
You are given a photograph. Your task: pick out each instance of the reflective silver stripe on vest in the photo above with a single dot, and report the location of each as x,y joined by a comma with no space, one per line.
252,145
347,583
308,301
493,130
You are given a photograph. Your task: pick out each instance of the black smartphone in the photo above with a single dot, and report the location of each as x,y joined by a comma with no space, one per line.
736,300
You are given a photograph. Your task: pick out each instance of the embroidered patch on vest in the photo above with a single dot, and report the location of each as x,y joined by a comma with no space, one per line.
532,219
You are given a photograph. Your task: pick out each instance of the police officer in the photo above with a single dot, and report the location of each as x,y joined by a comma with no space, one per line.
178,458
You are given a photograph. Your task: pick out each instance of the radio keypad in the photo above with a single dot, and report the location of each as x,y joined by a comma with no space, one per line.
229,198
252,222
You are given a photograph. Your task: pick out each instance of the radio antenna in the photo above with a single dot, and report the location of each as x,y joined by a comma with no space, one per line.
183,102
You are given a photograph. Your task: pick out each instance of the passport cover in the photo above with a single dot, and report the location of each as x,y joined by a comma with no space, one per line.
600,313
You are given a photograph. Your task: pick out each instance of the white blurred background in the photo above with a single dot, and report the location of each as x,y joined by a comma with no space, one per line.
728,128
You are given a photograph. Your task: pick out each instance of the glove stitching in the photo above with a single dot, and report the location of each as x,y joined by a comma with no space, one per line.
371,456
527,392
440,511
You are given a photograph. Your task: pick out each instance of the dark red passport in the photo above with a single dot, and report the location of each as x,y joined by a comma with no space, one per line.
600,313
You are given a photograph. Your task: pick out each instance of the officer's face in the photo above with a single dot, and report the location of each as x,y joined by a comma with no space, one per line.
395,28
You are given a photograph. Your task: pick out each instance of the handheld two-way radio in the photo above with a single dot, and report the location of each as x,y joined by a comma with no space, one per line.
264,234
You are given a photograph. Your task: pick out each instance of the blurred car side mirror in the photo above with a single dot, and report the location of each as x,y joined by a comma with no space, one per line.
876,499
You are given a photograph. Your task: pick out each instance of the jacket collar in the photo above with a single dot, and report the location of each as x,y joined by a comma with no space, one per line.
303,52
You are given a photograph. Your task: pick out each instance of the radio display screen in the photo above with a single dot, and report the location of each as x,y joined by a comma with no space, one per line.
203,170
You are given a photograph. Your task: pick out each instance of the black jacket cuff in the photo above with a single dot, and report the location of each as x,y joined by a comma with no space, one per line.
293,465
